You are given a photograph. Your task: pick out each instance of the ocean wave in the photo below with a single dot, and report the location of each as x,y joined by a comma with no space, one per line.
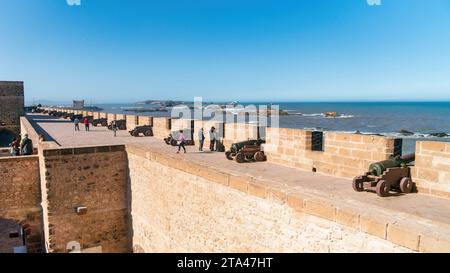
295,114
313,115
415,135
344,116
323,115
401,135
131,108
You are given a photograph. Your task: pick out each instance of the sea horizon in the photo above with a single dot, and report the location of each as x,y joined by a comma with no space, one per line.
65,102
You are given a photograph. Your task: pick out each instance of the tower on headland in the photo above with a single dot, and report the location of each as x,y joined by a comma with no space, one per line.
78,104
11,109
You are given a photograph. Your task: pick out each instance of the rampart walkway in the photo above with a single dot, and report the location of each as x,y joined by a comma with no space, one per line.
416,210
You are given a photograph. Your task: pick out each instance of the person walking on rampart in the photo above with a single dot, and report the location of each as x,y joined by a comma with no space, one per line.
182,140
212,138
114,127
86,124
26,146
201,139
15,151
77,124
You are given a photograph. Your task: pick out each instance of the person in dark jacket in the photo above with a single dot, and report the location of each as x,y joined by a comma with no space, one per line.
26,146
201,139
114,127
212,138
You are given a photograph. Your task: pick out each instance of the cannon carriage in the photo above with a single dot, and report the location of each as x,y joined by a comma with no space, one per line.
173,137
146,130
171,141
247,151
121,125
69,116
74,117
100,121
384,176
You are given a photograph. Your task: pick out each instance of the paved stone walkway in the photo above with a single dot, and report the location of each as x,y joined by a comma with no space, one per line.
423,207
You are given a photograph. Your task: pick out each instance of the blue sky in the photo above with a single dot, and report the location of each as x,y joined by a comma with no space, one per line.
246,50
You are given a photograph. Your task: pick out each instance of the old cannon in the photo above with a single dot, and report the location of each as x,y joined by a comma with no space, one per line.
70,116
74,117
246,151
170,140
100,121
173,137
384,176
120,125
146,130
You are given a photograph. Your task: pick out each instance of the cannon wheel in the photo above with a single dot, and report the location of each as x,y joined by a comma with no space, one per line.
383,188
358,184
260,157
148,133
135,133
406,185
240,158
173,142
228,155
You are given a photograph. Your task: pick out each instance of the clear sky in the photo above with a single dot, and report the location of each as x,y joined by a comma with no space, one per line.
245,50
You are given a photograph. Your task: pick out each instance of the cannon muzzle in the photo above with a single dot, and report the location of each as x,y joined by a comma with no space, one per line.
378,168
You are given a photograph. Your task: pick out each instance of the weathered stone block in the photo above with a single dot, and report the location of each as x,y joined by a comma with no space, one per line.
373,226
404,236
320,208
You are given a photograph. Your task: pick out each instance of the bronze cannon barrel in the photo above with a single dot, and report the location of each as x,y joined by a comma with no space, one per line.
379,168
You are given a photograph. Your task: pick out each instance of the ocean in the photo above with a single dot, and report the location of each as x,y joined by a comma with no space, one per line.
411,121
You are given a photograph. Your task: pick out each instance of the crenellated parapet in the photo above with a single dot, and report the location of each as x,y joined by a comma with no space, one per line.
339,154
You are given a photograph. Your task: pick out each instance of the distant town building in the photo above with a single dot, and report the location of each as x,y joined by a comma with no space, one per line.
78,104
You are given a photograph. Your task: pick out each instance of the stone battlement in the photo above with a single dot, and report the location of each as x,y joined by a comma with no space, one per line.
128,194
339,154
379,220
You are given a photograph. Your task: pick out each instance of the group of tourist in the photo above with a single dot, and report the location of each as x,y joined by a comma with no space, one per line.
76,122
86,123
213,137
21,147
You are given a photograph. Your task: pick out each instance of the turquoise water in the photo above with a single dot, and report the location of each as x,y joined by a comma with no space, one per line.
380,117
421,118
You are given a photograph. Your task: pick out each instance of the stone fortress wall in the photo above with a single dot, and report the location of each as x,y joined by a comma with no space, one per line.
191,208
20,199
125,199
86,198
